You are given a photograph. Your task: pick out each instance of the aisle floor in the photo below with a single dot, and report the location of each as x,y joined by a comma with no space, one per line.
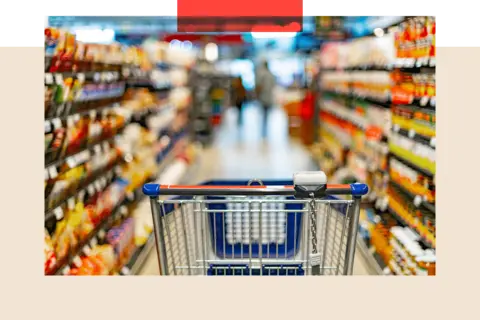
242,153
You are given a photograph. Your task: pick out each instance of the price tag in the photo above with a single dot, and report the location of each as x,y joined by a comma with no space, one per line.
86,250
98,186
57,123
130,196
46,174
58,212
96,77
66,270
48,126
433,62
70,121
384,204
433,142
71,162
101,234
423,101
97,148
91,190
106,146
125,271
77,262
103,182
433,102
396,128
81,77
58,78
417,201
48,78
411,133
123,210
81,195
93,242
76,117
71,203
53,172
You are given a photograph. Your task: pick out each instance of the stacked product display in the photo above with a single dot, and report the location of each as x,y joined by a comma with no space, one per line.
110,127
377,126
211,94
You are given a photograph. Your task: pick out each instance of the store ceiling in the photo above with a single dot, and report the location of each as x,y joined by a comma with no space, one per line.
133,30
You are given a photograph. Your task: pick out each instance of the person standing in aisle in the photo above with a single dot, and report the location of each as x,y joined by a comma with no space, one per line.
239,96
264,86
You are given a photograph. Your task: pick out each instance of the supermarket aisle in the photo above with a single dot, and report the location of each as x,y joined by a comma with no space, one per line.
241,153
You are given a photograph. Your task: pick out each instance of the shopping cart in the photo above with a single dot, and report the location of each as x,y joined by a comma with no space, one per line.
272,228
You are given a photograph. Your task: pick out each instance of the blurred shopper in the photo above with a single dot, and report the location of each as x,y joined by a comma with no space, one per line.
239,97
264,85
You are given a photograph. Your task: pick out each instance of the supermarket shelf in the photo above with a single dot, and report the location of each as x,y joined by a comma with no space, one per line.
92,183
372,265
427,205
407,65
429,141
139,257
69,112
90,147
404,223
95,76
80,248
412,165
423,103
106,223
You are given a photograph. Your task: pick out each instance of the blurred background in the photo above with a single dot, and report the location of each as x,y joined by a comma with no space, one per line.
128,100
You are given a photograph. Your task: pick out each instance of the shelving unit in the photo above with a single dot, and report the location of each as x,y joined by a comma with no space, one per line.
93,175
409,136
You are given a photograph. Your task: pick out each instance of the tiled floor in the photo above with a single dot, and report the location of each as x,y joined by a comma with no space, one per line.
242,153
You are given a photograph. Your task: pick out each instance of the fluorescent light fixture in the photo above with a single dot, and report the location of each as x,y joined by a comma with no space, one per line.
271,35
104,36
378,32
211,52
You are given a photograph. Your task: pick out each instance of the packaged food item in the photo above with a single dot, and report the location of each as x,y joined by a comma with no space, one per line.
122,239
50,256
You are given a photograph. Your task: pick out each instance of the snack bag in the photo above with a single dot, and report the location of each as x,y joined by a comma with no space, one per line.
50,257
106,255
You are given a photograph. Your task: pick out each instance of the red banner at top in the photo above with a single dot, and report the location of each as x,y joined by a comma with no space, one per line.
241,8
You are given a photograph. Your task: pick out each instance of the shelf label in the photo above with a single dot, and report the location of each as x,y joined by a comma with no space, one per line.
81,77
101,234
417,201
58,212
123,211
93,242
86,250
58,78
66,270
48,126
77,262
125,271
71,203
98,185
53,172
48,78
57,123
71,162
91,190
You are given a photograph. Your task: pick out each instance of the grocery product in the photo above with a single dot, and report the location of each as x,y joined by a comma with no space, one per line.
49,251
378,125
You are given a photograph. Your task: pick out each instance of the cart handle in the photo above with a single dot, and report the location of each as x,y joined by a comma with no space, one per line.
155,190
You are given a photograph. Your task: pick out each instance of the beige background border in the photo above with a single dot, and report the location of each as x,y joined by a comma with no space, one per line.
30,295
